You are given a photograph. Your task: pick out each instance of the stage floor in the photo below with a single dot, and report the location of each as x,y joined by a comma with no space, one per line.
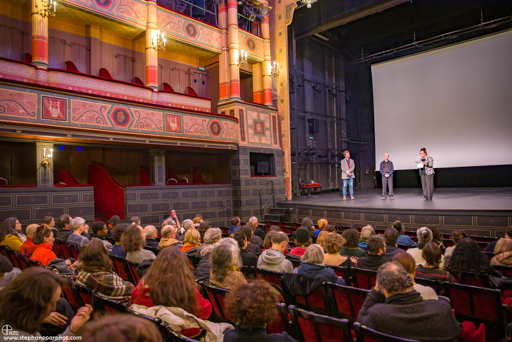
445,199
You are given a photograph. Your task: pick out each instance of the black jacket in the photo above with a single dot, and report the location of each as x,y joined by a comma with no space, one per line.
152,243
370,262
319,272
248,258
490,246
390,253
255,335
259,232
407,315
63,235
202,272
254,248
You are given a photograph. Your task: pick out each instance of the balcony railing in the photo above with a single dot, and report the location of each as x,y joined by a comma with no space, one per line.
203,10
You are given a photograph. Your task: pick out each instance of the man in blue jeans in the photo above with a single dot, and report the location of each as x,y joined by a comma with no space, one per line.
347,175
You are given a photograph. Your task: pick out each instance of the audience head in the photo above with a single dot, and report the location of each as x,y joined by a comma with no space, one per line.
307,223
197,220
253,223
391,235
352,237
168,232
398,226
119,230
120,328
150,232
330,228
407,261
168,222
334,243
424,235
31,230
435,234
503,246
212,235
241,239
467,257
203,227
267,242
252,305
366,232
302,237
314,254
393,278
186,224
458,234
135,220
78,225
432,254
5,266
320,239
235,221
94,255
508,232
114,221
322,223
247,231
375,245
274,229
43,234
223,257
99,228
9,227
64,222
49,221
132,239
193,237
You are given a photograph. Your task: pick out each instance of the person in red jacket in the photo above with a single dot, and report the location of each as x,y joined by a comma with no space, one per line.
170,282
28,247
44,239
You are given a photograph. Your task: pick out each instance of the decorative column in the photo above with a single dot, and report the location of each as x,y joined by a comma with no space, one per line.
151,51
234,73
224,54
267,80
157,167
44,172
39,36
257,91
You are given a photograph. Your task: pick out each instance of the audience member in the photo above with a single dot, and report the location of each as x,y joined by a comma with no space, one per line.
135,220
273,258
174,217
311,266
10,234
100,232
320,239
111,225
6,271
151,233
302,241
256,230
120,327
43,238
197,221
171,266
366,232
491,245
169,238
424,236
351,248
65,230
468,258
322,223
185,226
248,258
79,226
430,270
212,238
330,228
457,234
192,239
235,225
50,222
503,253
393,307
407,261
333,246
251,307
403,240
251,247
376,250
28,247
436,237
133,242
203,227
309,225
225,260
117,248
95,271
391,236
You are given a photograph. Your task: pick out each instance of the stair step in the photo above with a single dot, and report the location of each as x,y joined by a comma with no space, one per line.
280,211
272,217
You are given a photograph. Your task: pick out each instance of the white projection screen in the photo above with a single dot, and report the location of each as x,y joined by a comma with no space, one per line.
455,101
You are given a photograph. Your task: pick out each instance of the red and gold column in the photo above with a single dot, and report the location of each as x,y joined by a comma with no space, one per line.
267,80
257,90
224,55
39,36
151,43
234,73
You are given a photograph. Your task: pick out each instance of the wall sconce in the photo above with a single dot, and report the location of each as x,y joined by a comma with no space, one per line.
46,8
241,59
275,70
158,41
47,158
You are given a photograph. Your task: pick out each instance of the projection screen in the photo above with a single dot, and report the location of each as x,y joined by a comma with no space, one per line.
455,101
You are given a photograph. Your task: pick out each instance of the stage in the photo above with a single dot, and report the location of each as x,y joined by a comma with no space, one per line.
486,211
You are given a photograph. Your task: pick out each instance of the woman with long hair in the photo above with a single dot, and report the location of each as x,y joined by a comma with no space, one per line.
225,261
10,234
192,240
96,272
503,253
430,269
112,223
468,258
170,282
351,247
133,241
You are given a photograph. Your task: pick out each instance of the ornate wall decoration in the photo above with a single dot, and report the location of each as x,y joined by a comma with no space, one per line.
17,71
196,126
18,104
90,113
173,123
215,128
120,117
54,108
147,120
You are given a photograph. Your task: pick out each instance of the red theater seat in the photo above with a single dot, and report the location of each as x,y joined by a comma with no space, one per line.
70,66
28,58
105,74
138,81
167,87
191,92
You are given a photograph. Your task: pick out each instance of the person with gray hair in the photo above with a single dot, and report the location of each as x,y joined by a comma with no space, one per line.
79,227
169,238
425,236
151,233
312,267
257,232
225,260
212,237
185,226
393,307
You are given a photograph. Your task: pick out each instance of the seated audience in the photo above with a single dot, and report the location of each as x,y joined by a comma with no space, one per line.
256,231
468,258
430,269
6,271
235,225
151,233
322,223
407,261
403,240
168,238
393,307
10,234
185,226
171,266
251,307
333,246
503,253
197,221
309,225
50,222
366,232
65,230
248,258
273,258
212,237
117,248
376,251
100,232
79,227
252,247
30,299
491,245
457,234
267,243
330,228
390,236
174,217
28,247
224,261
135,220
311,266
424,236
436,237
95,271
43,238
192,239
320,239
112,223
351,248
133,242
302,241
203,227
120,327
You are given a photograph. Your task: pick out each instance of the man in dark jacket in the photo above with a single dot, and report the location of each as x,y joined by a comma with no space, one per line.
390,236
248,258
64,225
376,249
235,225
393,307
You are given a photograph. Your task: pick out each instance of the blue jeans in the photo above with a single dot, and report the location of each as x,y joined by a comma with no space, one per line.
350,183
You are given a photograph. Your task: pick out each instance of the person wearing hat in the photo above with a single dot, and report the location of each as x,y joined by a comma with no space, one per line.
322,223
302,241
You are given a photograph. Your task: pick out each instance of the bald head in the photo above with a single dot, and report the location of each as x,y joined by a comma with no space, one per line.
168,232
386,156
150,232
31,229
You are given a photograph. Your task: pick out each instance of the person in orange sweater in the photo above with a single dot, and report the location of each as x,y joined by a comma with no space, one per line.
44,239
192,238
28,247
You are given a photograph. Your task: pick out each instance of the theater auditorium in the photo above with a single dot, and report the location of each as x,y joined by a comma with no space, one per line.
255,170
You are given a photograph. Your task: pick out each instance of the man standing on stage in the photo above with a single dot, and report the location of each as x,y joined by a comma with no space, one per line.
347,174
386,170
